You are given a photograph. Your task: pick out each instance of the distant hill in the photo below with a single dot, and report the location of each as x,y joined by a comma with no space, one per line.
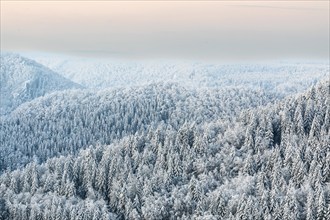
284,78
22,79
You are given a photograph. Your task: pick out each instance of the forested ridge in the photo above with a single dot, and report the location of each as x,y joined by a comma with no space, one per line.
64,122
165,152
23,79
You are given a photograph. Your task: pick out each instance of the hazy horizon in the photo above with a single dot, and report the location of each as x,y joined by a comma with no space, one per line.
214,30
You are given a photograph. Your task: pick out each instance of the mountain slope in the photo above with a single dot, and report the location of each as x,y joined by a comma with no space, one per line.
68,121
22,80
270,163
233,150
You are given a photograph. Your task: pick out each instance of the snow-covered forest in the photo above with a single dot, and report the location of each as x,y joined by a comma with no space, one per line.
110,140
23,79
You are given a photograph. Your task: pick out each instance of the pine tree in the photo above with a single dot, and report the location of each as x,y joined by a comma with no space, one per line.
321,204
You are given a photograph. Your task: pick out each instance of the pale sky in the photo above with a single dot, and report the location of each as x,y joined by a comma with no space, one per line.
217,30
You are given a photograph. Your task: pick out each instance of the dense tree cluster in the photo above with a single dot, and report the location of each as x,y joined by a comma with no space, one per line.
164,141
271,162
64,122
